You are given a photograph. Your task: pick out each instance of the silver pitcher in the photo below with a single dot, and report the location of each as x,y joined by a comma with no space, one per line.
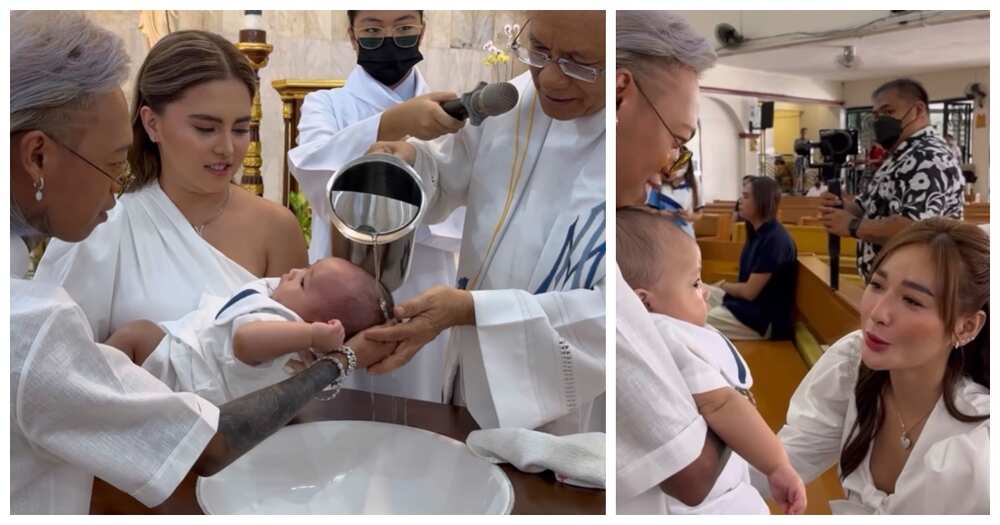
377,202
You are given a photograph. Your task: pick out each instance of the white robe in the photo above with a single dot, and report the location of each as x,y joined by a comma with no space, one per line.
20,258
947,471
535,358
659,430
79,410
196,352
145,262
336,127
732,492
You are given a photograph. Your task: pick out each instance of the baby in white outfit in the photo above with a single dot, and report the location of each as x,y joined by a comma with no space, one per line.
226,349
662,264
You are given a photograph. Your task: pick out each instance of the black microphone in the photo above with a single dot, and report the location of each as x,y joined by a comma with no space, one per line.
486,100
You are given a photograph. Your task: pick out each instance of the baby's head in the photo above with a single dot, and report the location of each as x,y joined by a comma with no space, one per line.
332,288
662,264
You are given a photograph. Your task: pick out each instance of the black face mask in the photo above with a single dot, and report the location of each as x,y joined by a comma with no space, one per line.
888,129
389,63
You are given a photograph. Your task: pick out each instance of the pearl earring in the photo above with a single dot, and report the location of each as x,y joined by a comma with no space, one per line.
39,187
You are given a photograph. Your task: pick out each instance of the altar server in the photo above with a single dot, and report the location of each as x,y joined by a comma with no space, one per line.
385,98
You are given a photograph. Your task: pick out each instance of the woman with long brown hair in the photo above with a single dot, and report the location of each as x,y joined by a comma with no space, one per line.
183,228
902,405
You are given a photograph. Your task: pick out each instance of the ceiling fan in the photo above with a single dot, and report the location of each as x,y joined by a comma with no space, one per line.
848,58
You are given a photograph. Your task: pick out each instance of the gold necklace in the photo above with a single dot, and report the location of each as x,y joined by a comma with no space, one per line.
200,229
517,167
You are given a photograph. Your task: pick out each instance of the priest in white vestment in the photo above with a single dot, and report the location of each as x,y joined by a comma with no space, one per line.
527,339
338,126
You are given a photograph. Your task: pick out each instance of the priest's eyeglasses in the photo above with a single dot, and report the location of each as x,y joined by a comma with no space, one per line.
680,143
405,36
122,180
540,59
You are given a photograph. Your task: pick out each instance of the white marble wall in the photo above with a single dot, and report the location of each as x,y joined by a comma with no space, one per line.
314,45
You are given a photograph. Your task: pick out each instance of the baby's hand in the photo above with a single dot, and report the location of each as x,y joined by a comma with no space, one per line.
327,336
787,489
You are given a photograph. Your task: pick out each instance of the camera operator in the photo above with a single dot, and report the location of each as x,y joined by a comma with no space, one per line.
920,178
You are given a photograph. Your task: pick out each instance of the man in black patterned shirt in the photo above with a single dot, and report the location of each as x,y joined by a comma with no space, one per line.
920,178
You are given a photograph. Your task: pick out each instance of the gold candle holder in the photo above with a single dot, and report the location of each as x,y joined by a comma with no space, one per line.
253,44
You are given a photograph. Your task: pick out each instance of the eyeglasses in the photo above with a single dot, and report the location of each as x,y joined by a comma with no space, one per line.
122,180
683,153
405,36
538,59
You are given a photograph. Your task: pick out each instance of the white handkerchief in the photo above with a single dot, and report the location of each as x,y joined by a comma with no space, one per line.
576,459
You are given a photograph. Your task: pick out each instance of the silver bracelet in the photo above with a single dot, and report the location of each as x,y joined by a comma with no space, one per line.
352,359
331,390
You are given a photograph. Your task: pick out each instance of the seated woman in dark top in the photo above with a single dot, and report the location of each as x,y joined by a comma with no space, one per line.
759,306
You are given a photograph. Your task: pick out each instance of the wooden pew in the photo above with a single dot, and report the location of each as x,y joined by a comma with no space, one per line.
813,240
977,213
797,201
829,314
714,226
719,210
719,260
793,214
777,370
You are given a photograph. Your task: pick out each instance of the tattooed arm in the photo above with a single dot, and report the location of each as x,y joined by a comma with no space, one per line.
246,421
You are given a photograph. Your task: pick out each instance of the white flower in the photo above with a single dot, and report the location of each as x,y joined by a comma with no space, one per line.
487,45
920,182
908,164
508,30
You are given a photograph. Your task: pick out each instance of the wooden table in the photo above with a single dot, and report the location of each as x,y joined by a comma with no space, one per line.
533,493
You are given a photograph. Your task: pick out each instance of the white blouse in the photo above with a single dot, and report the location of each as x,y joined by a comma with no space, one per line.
80,409
947,471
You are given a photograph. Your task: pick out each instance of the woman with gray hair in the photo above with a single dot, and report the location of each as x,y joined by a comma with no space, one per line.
668,460
80,409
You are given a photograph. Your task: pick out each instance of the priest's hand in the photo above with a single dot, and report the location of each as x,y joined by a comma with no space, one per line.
427,314
421,117
370,351
402,149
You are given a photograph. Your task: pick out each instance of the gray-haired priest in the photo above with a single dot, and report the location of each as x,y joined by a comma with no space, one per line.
527,318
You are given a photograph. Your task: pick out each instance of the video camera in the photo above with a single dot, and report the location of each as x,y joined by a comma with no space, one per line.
836,146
